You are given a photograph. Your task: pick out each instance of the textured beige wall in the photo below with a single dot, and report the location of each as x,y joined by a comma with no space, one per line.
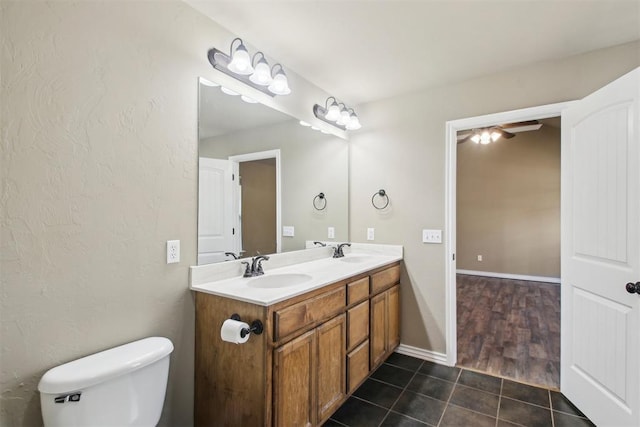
258,179
99,168
508,204
311,163
401,148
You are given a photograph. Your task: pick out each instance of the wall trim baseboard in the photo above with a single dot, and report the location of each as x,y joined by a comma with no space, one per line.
420,353
544,279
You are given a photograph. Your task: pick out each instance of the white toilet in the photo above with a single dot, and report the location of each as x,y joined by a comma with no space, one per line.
122,386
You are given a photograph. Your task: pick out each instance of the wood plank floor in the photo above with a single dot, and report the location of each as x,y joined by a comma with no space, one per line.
509,328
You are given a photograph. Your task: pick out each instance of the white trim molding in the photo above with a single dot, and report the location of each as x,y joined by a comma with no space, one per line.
451,141
544,279
420,353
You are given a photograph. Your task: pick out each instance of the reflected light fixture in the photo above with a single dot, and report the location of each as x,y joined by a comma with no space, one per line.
254,72
483,136
337,114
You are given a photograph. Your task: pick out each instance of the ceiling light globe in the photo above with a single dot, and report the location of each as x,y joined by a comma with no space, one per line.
354,122
262,74
280,84
333,113
345,117
240,61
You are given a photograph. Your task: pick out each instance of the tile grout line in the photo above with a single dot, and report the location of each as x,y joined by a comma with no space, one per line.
401,393
450,394
553,419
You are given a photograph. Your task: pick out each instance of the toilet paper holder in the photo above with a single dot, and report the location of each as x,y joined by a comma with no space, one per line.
256,326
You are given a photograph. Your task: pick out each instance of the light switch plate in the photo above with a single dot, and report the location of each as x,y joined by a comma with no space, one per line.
288,231
431,236
331,233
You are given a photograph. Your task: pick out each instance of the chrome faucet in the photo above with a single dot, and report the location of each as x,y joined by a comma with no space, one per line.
231,254
337,250
320,244
255,268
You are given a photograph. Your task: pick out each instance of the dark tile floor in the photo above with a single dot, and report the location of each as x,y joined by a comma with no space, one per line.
406,391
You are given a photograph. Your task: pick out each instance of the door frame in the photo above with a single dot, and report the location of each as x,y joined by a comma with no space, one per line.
261,155
452,127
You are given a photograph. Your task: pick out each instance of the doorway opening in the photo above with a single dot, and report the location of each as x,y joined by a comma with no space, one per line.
474,265
257,201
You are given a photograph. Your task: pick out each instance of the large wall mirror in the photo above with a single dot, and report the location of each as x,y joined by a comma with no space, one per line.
260,175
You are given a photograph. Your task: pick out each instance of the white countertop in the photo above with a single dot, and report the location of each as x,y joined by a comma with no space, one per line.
321,271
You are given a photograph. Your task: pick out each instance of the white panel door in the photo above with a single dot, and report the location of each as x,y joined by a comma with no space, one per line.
600,253
215,210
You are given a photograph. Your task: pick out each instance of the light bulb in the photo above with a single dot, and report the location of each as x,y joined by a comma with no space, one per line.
262,73
476,138
345,117
280,84
485,137
354,122
333,113
240,61
495,136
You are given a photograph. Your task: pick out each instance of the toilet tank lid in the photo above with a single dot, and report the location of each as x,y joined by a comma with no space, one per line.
99,367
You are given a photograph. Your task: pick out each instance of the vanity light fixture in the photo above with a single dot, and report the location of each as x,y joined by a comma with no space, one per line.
337,114
257,74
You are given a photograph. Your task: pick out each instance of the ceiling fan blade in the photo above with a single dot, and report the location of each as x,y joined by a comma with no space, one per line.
503,133
520,124
465,139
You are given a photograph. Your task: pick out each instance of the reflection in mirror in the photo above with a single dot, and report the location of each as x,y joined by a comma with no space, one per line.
259,172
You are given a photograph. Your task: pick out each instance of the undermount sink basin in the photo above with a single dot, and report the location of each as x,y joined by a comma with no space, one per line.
355,259
278,280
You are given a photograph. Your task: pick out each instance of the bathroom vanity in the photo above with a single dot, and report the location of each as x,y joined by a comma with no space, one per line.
331,324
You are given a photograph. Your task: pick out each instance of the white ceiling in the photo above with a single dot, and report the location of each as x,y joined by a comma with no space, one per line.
361,51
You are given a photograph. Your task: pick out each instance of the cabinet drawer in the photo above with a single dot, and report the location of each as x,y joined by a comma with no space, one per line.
385,279
357,366
358,324
357,291
305,313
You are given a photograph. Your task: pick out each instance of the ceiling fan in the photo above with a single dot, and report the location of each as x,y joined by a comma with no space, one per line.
493,133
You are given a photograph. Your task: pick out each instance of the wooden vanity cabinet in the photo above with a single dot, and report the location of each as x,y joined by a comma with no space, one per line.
385,314
316,349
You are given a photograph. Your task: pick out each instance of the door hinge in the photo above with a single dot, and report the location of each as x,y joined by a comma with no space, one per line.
233,231
233,177
454,257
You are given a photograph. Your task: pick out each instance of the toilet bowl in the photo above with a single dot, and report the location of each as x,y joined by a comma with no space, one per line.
122,386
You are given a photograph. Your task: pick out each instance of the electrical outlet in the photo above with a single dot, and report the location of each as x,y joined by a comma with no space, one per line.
331,233
370,233
288,231
431,236
479,257
173,251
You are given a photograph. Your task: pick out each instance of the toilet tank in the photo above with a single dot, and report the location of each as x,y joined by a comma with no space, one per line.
122,386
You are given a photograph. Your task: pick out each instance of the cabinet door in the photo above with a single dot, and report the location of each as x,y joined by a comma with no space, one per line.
378,334
294,382
357,366
331,349
393,321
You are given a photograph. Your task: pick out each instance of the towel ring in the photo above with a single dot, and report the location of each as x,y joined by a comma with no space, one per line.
318,202
382,194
